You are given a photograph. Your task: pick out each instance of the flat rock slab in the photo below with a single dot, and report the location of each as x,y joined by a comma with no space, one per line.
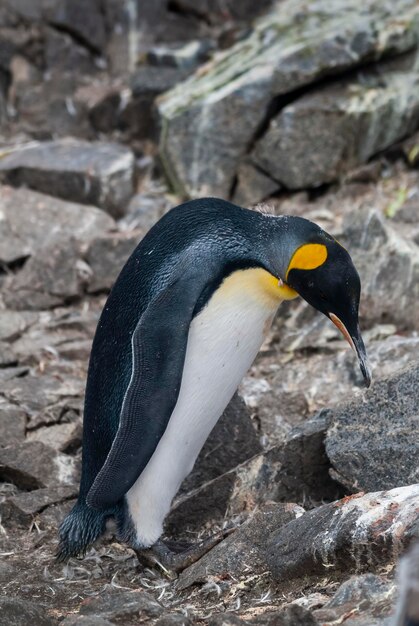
31,220
353,534
21,508
120,605
373,444
243,553
98,173
33,464
53,276
18,612
209,121
322,135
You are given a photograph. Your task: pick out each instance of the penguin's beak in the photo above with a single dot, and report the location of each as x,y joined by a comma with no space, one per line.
355,341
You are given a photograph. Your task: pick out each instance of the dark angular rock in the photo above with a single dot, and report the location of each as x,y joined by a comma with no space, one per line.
21,508
293,615
304,474
106,257
98,173
32,220
364,600
72,17
12,424
355,534
226,619
63,52
32,464
232,441
126,604
19,612
243,552
373,444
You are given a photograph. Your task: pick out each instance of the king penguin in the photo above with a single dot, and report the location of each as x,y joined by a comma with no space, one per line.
181,326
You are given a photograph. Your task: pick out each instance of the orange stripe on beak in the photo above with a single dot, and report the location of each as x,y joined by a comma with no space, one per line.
337,322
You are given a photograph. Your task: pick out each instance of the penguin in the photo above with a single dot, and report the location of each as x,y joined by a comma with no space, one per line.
182,324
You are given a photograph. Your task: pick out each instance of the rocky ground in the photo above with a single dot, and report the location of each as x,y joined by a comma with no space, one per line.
110,115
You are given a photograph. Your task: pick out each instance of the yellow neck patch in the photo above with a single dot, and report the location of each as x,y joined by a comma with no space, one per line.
258,284
307,257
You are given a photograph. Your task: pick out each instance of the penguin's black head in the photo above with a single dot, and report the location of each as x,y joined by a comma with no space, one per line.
321,271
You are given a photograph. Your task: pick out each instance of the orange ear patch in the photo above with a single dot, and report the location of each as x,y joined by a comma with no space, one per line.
308,257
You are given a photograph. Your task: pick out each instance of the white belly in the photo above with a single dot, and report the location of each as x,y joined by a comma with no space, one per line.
222,344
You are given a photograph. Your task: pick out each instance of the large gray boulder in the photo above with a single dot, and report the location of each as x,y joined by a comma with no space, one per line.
211,121
374,443
322,135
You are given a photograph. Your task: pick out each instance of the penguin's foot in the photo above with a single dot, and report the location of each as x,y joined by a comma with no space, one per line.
171,560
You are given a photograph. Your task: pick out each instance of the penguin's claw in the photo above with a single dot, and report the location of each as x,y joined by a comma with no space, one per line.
172,562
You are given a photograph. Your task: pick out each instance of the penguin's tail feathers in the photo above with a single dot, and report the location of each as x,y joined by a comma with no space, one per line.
82,527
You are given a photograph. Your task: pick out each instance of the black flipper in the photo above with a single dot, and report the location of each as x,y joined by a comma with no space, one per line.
158,349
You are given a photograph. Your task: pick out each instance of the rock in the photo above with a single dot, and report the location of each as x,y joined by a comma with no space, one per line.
381,253
242,553
123,605
19,612
232,441
85,26
12,424
304,473
144,210
21,508
44,398
353,534
174,619
52,276
32,220
364,600
58,436
147,83
98,173
253,185
214,12
209,122
407,608
14,323
106,257
323,134
235,492
373,444
64,53
32,465
291,616
7,356
86,620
